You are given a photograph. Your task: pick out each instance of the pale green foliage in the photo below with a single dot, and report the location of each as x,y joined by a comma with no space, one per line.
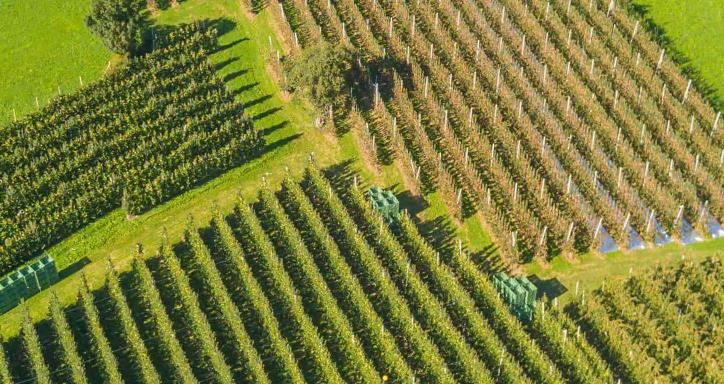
323,73
33,349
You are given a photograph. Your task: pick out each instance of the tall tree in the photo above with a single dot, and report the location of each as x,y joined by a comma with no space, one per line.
323,72
121,24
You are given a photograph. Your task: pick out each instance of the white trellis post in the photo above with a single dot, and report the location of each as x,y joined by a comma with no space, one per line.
625,222
522,46
649,221
643,132
543,236
497,81
661,59
542,187
618,138
570,36
679,214
598,228
570,232
696,162
686,93
620,178
568,185
548,7
702,212
716,123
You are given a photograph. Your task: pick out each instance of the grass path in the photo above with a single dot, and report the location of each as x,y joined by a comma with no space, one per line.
45,45
590,270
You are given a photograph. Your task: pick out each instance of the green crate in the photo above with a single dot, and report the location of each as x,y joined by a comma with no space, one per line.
518,292
8,299
31,279
385,202
21,286
11,290
46,273
27,281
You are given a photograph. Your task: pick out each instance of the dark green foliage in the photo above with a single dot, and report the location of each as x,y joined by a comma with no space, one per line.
323,73
140,136
120,24
4,370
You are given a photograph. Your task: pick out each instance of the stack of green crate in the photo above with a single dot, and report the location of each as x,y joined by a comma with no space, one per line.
386,203
27,281
518,292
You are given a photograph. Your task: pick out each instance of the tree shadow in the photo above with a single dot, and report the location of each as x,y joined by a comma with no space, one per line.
278,144
220,65
413,204
552,287
256,101
438,232
266,113
489,259
74,267
269,130
233,75
223,47
244,88
342,175
222,25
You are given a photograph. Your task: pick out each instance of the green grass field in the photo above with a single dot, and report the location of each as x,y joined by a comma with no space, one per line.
696,28
45,45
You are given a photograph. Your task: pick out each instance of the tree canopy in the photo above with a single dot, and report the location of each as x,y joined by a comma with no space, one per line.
121,24
323,72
